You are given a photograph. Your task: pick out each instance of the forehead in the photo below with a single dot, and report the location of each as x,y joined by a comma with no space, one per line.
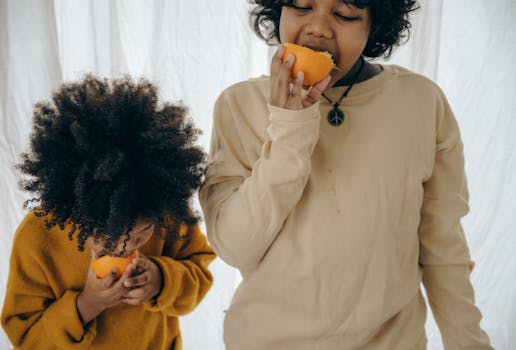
356,3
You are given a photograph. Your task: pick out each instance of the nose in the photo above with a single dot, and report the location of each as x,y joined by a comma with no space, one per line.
319,26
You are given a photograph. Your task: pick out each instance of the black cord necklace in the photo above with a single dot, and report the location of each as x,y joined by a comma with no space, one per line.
336,115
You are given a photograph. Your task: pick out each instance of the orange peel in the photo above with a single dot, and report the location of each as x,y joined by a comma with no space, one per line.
315,65
103,265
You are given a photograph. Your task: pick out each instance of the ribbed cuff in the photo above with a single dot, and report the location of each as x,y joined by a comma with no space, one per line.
294,115
62,323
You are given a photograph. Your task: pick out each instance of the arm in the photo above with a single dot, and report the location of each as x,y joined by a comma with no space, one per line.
444,253
32,316
185,275
245,205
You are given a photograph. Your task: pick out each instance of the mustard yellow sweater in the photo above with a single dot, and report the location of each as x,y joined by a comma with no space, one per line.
47,273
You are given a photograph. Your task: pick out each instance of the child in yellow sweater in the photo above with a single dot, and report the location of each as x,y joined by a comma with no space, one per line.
112,173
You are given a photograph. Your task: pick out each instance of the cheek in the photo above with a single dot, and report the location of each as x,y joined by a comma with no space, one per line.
96,247
142,239
287,33
353,43
366,30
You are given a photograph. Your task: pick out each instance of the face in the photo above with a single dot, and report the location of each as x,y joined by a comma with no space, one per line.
139,235
327,25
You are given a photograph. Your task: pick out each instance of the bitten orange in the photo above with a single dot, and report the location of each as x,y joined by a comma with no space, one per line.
103,265
316,65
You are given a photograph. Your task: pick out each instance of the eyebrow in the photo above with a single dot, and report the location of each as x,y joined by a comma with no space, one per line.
347,3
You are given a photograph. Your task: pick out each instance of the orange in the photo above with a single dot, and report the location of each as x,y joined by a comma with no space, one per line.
316,65
103,265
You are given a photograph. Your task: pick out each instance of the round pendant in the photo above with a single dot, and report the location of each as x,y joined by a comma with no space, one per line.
335,116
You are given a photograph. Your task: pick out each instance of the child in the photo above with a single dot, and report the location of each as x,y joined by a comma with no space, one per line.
337,202
112,173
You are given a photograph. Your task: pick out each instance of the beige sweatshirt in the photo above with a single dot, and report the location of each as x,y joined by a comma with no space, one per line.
335,228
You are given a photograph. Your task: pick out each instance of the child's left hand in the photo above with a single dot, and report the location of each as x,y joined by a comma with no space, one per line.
146,282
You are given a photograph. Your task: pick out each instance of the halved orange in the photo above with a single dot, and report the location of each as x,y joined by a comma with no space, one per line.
103,265
316,65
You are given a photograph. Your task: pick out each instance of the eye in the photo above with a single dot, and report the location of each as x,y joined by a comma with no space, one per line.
301,9
345,18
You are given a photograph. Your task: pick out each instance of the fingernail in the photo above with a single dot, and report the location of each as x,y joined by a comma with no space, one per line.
290,58
300,75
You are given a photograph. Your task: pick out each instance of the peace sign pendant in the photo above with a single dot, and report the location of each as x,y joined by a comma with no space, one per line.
335,116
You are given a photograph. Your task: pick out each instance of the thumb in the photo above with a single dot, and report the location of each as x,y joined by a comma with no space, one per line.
315,92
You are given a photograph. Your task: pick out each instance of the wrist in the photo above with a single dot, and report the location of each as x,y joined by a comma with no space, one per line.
160,282
87,309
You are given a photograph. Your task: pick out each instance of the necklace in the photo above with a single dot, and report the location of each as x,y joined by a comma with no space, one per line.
336,115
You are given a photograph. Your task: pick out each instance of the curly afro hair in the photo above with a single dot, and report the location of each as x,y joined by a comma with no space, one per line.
105,153
389,24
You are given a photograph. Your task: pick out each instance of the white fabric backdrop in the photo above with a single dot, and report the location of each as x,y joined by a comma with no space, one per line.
192,49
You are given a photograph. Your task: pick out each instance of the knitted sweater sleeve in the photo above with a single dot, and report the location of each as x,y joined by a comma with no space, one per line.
186,278
33,317
444,253
245,205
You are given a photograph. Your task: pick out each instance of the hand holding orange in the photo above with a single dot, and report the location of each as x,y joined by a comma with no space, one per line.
103,265
315,65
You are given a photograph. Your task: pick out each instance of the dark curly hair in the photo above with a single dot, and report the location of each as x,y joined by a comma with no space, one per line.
390,24
105,153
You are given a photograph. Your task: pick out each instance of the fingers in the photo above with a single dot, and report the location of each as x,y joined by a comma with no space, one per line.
138,296
137,293
277,61
129,271
315,92
107,281
280,88
285,92
139,279
134,302
322,85
280,78
142,263
294,100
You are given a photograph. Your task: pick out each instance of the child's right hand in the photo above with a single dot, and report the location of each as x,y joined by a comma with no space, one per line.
285,96
100,294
